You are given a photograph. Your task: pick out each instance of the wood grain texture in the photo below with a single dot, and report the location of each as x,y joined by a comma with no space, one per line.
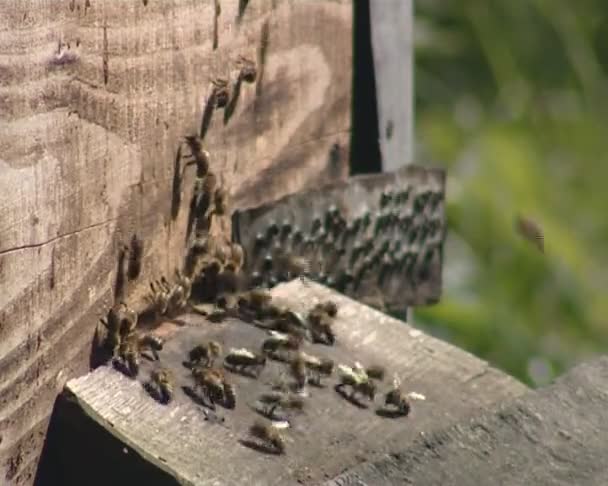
332,435
553,436
95,97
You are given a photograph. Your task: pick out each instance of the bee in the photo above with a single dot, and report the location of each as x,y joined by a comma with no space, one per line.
283,401
357,380
220,93
212,382
531,231
237,256
205,354
241,359
159,298
292,266
220,203
111,336
317,367
151,343
180,292
329,307
129,356
299,371
248,71
128,320
135,258
321,326
200,157
256,301
122,272
397,398
269,434
161,381
376,372
278,342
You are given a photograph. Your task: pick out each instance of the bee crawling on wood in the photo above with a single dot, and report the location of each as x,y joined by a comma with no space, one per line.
200,157
248,72
180,293
321,326
160,385
150,343
159,298
214,386
205,354
397,398
358,381
280,400
278,343
108,333
329,307
375,372
241,359
255,303
128,320
269,434
317,367
128,359
135,258
220,93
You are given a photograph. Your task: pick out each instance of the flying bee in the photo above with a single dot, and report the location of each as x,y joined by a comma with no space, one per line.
531,231
278,400
200,157
161,382
151,343
205,354
241,359
220,93
357,380
248,72
135,258
269,434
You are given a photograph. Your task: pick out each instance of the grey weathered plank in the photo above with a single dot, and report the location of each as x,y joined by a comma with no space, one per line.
554,436
392,46
330,437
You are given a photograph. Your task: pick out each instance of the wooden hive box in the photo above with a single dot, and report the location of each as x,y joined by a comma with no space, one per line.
180,443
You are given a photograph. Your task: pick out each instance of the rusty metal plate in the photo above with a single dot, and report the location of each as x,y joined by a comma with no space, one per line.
377,238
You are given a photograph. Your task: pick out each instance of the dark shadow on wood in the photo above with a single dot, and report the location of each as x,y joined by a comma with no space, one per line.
176,194
365,148
231,106
76,445
390,413
264,449
207,116
349,398
242,7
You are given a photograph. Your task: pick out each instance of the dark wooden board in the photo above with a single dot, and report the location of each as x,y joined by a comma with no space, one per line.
183,441
395,260
554,436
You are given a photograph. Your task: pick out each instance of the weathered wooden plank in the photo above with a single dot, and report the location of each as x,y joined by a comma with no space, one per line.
95,98
377,238
178,439
392,33
554,436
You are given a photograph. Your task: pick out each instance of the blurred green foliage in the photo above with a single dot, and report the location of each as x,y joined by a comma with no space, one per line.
511,97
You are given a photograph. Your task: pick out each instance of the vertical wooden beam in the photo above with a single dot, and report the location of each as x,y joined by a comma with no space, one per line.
392,46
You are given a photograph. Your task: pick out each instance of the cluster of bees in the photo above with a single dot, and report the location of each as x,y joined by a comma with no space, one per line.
214,273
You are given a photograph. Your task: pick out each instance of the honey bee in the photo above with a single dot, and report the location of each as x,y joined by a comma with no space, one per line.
214,386
317,367
270,435
237,256
220,93
397,398
299,371
220,201
329,307
200,157
278,342
357,380
248,72
241,359
151,343
135,258
205,354
128,320
159,298
376,372
128,357
161,382
256,301
321,326
279,400
292,266
111,335
180,293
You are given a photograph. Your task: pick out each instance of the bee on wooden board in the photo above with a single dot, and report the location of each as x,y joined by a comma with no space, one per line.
278,342
397,398
242,359
200,157
136,254
161,382
269,434
280,400
317,367
220,93
248,71
150,343
205,354
128,359
357,379
214,386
